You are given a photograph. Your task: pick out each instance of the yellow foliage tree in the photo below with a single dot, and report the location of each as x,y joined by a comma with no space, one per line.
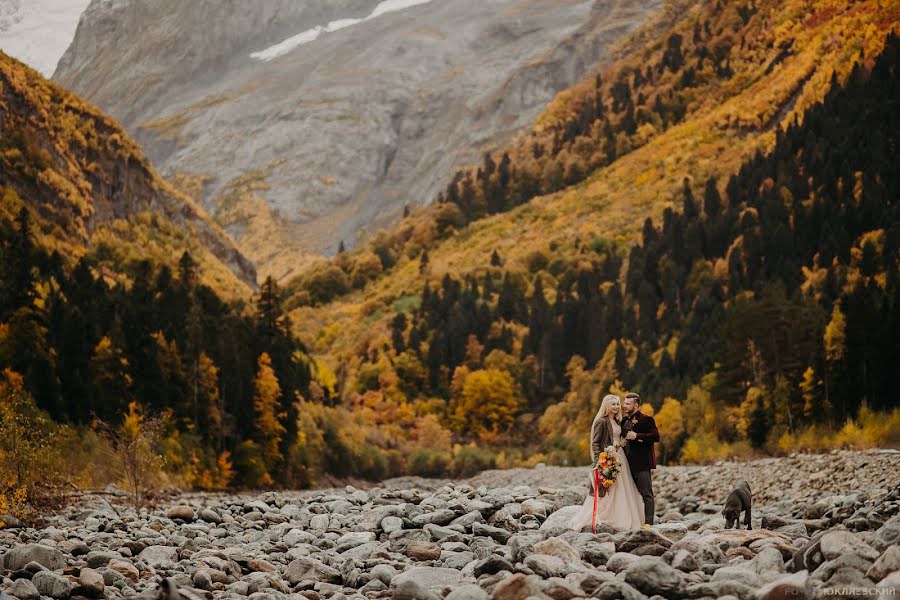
670,422
209,396
488,405
269,429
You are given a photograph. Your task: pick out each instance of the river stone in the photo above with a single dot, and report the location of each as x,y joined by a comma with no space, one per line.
517,587
886,564
384,573
558,547
412,590
423,550
183,512
617,590
91,583
491,565
560,519
391,523
795,585
836,543
545,565
125,568
210,516
311,569
430,577
50,584
23,589
159,557
470,591
653,576
46,556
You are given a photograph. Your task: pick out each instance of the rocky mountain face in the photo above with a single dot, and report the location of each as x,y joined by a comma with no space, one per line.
820,522
90,188
37,32
300,124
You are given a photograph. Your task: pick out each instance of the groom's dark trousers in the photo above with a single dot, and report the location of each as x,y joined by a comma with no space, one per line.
645,487
642,458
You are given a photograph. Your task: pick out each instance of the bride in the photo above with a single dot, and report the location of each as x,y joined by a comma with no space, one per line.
621,506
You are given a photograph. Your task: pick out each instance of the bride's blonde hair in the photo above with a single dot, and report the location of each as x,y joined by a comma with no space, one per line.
606,405
604,411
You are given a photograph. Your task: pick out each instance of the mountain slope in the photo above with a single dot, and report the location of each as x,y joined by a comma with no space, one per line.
361,121
91,189
534,280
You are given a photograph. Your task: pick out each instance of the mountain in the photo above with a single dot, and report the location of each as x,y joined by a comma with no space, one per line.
91,191
300,124
37,32
697,222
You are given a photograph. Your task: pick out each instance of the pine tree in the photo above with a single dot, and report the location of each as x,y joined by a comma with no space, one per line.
267,425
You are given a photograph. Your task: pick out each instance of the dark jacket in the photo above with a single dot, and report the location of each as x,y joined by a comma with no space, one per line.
640,451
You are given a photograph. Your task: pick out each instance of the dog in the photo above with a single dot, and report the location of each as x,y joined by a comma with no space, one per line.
738,500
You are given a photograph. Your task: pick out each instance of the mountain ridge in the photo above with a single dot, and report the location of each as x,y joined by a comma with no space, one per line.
361,122
91,188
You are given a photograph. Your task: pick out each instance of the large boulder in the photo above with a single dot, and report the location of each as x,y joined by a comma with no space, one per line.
560,519
839,542
652,576
46,556
50,584
886,564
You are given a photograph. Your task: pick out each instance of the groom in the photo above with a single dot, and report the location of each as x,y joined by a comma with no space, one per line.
641,435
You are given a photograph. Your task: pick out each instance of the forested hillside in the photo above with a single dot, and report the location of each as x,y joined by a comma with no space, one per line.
711,221
117,298
711,258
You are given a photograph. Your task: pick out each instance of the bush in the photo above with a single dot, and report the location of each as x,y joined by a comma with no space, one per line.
470,460
429,462
372,463
29,458
250,467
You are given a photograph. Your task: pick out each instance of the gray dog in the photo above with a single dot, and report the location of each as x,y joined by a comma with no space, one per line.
738,501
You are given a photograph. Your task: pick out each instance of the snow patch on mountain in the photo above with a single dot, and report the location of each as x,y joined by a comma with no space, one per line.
37,32
310,35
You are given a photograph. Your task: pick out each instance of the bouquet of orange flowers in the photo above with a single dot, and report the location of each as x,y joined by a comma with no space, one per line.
608,467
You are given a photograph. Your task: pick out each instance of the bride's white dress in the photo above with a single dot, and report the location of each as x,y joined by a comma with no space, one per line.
622,507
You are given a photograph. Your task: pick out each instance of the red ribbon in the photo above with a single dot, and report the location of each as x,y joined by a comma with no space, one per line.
596,495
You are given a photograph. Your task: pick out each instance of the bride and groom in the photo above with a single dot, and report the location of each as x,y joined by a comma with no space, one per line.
628,503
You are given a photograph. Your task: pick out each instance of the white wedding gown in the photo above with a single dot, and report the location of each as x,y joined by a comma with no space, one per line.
622,507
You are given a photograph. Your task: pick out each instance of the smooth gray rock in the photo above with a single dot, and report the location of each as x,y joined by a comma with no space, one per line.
53,585
159,557
429,577
20,556
886,564
308,568
652,576
23,589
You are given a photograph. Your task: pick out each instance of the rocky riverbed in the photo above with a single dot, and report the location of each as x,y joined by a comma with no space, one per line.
823,526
